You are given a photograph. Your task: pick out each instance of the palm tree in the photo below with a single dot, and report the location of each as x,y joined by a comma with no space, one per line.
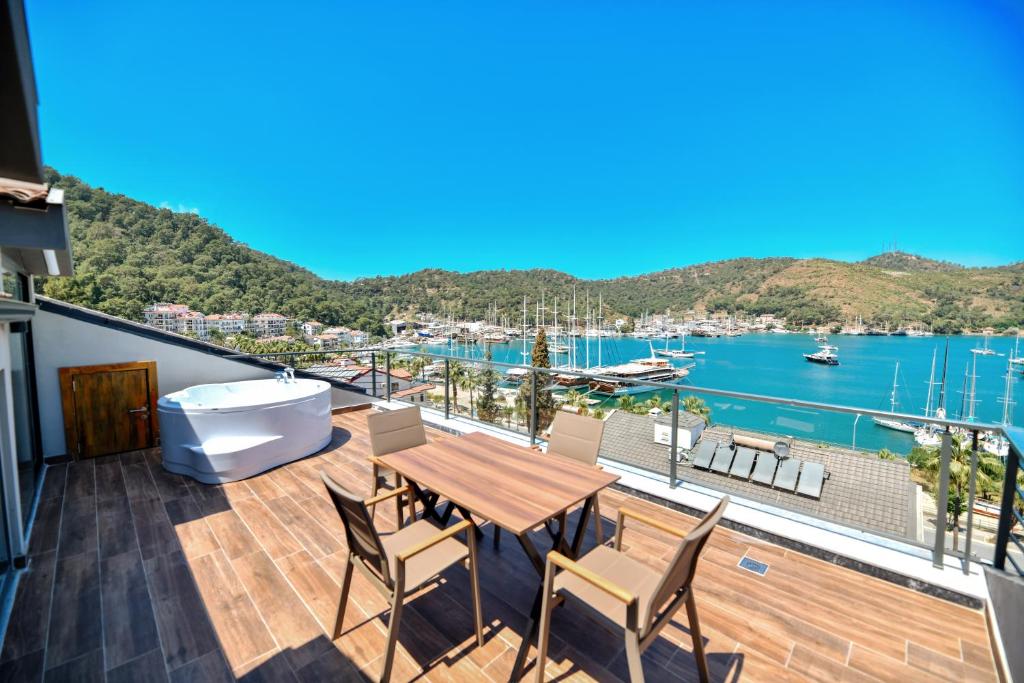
417,366
470,381
626,404
989,474
695,405
508,412
456,372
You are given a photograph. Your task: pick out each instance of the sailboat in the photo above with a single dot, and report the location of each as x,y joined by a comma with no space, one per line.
681,352
984,350
891,423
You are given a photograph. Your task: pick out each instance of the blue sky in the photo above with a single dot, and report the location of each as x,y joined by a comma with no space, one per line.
598,138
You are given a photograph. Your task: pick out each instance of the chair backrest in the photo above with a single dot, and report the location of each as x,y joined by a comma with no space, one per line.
683,566
395,430
576,436
360,533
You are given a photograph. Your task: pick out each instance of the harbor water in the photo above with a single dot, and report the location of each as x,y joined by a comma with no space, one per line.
774,365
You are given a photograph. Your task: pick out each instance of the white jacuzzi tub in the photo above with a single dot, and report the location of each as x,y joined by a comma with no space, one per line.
216,433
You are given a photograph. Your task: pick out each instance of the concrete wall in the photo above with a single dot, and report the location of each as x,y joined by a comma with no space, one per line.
64,341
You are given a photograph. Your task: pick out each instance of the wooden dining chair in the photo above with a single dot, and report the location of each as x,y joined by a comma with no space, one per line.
392,431
400,563
629,594
578,437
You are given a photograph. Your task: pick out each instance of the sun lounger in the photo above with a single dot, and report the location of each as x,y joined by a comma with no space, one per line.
764,470
743,462
785,477
723,459
705,452
811,480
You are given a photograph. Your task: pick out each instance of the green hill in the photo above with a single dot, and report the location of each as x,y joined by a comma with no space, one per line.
129,254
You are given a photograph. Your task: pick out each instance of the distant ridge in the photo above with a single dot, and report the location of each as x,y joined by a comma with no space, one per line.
129,254
903,262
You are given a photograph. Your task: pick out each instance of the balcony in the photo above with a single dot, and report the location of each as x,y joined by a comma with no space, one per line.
137,574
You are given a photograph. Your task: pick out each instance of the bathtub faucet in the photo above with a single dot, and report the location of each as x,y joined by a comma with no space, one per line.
288,374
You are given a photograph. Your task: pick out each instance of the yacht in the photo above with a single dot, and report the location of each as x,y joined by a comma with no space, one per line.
681,352
647,369
984,350
825,355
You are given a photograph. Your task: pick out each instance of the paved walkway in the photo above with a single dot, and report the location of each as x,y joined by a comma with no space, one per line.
862,490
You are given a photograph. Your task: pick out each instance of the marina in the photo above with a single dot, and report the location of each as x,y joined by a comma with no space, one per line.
772,364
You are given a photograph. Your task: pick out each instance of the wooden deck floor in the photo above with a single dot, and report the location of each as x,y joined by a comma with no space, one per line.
139,575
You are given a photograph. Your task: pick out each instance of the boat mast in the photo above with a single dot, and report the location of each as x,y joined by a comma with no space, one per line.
524,329
600,325
1008,397
892,396
586,341
940,405
931,384
974,383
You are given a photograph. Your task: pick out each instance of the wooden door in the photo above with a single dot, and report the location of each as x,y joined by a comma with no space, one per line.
109,408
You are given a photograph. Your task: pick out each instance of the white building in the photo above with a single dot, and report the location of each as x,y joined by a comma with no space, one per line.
228,323
269,324
164,316
192,322
311,328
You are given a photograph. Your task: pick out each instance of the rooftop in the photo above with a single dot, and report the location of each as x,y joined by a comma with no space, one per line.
140,574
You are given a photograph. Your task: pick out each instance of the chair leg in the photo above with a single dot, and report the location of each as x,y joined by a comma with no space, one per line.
546,607
698,640
474,585
497,537
636,667
346,583
598,528
398,501
389,652
374,486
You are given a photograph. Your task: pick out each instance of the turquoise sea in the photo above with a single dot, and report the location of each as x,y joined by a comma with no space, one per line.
773,365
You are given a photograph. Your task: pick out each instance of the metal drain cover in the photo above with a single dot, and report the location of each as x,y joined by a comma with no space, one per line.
752,565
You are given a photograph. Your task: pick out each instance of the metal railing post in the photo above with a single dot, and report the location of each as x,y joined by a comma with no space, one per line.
972,480
673,462
1006,512
387,375
447,388
942,499
533,408
373,373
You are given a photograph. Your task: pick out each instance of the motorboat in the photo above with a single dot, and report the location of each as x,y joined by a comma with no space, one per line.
825,355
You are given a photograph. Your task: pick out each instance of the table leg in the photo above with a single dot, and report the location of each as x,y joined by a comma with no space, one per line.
533,623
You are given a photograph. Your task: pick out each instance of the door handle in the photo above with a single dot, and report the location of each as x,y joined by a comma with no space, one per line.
143,409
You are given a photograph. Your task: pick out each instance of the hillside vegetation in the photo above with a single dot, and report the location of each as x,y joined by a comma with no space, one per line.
129,254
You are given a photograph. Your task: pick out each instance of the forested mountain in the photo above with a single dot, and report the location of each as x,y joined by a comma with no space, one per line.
129,254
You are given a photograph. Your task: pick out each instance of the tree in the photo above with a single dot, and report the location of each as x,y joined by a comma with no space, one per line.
417,366
470,381
487,407
990,472
456,373
696,405
626,404
545,401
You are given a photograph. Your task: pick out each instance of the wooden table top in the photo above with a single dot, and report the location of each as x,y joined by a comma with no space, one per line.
516,488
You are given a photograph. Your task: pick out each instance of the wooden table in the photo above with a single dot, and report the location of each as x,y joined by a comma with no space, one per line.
512,487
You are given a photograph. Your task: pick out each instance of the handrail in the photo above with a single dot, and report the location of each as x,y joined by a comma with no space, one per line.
666,386
1007,512
1014,435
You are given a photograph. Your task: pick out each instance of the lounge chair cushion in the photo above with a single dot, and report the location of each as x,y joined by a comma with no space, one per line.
785,476
742,463
620,569
723,459
811,480
427,564
764,470
705,452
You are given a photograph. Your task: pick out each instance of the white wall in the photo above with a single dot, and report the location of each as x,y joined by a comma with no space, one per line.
62,341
